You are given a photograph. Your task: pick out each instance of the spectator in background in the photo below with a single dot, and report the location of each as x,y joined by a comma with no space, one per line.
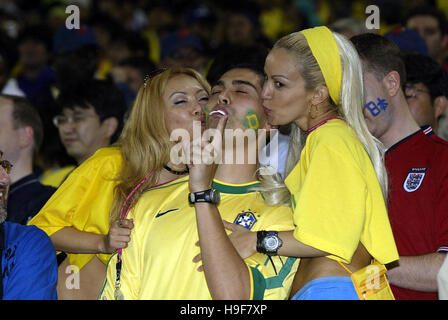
202,21
76,57
90,119
161,22
35,74
416,165
350,27
75,63
8,85
243,28
124,45
426,90
408,40
183,49
431,24
129,74
28,269
21,136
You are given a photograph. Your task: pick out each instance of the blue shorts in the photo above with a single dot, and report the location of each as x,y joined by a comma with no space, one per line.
328,288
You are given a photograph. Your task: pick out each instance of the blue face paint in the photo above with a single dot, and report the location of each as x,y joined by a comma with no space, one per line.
376,108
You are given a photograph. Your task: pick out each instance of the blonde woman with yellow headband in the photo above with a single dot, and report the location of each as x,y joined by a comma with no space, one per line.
336,181
78,216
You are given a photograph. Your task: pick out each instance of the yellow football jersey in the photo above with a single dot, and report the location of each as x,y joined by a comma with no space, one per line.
337,199
84,201
158,264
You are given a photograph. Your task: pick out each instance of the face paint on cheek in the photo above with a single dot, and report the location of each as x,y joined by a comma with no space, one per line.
252,120
375,108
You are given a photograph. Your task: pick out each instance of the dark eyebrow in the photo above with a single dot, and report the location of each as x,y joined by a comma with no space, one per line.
219,83
235,83
243,82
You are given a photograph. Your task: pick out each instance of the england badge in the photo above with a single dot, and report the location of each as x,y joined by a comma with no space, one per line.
414,179
246,219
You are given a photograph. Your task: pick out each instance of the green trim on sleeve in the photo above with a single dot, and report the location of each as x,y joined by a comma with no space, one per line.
259,284
277,281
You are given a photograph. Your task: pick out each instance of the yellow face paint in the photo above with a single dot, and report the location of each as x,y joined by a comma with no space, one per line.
207,112
252,120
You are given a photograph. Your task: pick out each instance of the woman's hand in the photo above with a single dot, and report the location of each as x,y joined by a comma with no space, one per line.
244,240
118,236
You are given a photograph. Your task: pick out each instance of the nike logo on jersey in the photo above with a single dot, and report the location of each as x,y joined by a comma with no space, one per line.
163,213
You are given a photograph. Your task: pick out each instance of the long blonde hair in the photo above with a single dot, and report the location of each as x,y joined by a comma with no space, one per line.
145,142
350,108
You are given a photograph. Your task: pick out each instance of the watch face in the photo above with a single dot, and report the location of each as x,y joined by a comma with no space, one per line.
271,243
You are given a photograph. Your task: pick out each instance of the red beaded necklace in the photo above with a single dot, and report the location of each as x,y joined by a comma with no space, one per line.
321,124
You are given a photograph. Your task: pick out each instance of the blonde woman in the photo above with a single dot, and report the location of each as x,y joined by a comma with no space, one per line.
78,216
336,181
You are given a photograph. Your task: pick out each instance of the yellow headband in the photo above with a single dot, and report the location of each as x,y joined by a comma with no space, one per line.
326,51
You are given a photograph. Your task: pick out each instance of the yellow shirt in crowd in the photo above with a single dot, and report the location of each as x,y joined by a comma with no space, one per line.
336,197
157,264
83,201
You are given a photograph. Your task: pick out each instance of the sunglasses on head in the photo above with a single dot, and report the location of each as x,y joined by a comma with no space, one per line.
151,75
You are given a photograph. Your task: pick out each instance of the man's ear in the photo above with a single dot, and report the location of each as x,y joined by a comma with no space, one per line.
445,42
440,105
26,136
110,125
392,82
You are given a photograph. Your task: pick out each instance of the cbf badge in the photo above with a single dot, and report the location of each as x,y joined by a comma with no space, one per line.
414,179
246,219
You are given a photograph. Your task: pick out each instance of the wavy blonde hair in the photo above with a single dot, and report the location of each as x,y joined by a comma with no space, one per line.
350,108
145,142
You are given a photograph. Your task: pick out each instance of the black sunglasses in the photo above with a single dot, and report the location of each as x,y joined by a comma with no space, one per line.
151,75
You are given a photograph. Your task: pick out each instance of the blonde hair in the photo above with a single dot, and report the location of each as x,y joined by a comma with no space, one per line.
350,108
145,142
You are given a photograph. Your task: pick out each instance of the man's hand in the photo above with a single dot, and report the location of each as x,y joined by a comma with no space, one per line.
203,155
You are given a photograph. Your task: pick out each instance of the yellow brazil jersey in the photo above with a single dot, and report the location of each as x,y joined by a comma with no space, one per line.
336,197
157,264
83,201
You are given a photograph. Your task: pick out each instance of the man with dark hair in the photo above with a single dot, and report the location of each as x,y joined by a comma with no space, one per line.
416,164
426,89
28,269
129,74
251,57
183,49
91,118
21,136
237,56
432,26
